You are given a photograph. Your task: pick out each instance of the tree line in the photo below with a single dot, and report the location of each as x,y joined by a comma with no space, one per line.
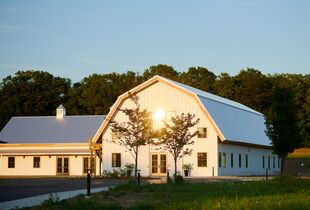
37,93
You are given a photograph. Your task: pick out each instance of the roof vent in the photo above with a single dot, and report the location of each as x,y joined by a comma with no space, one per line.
60,112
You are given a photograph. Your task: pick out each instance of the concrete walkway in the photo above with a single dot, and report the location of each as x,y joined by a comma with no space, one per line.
37,200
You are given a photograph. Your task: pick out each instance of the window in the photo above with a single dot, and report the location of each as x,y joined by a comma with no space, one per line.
202,159
224,160
115,135
263,161
273,161
36,162
239,160
11,162
231,160
279,162
220,159
87,164
116,159
246,161
202,132
268,161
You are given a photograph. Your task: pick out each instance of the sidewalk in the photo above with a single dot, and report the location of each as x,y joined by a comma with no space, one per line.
37,200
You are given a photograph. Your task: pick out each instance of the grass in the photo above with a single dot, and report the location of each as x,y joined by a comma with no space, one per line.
300,153
286,193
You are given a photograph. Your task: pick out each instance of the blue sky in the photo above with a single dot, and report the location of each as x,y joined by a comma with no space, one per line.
74,39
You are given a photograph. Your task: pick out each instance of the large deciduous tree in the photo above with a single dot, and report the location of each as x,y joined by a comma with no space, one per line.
161,70
281,124
176,135
135,132
31,93
199,77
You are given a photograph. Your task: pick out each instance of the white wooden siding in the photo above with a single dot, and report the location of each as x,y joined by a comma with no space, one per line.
255,156
161,96
48,162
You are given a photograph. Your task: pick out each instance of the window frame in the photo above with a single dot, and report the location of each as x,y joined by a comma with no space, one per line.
263,161
116,160
11,164
224,160
202,159
202,132
36,162
231,160
89,162
220,159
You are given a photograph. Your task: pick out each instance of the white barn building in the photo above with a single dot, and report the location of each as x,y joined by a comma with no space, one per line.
49,145
232,139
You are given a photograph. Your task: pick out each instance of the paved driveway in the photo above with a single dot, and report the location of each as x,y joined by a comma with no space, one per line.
12,189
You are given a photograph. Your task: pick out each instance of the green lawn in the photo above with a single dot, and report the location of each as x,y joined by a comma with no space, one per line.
287,193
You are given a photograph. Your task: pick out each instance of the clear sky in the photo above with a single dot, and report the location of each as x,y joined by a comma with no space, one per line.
74,39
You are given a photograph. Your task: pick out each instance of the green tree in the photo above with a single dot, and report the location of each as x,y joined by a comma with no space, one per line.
281,124
96,93
224,86
300,85
31,93
134,133
199,77
176,135
161,70
253,89
304,123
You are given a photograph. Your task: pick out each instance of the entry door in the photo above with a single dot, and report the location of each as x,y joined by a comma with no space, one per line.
159,164
62,165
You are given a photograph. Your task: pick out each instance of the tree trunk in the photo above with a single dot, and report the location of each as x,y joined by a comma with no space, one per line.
136,162
282,166
175,169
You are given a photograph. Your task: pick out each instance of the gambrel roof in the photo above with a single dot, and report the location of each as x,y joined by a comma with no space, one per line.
49,129
233,122
236,121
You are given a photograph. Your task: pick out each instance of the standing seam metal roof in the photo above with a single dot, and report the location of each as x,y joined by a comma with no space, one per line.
49,129
236,121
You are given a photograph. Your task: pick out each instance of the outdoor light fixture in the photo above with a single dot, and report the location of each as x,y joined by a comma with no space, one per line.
159,115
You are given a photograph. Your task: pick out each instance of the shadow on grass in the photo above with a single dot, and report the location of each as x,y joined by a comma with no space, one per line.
279,193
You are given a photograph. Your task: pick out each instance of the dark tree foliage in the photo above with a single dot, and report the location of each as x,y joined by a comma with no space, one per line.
224,86
134,133
199,77
97,93
253,89
31,93
281,123
161,70
176,135
304,123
